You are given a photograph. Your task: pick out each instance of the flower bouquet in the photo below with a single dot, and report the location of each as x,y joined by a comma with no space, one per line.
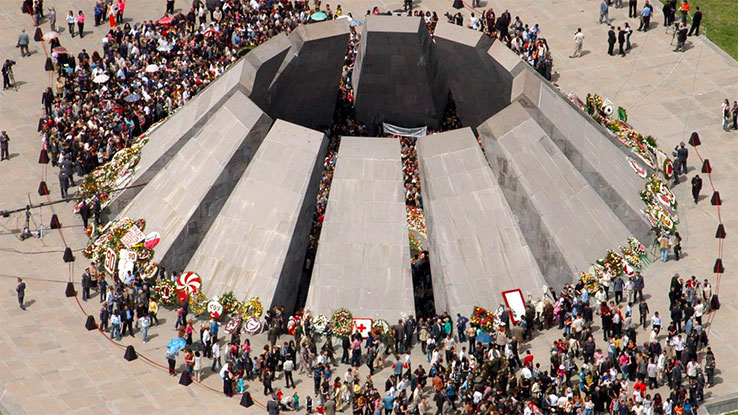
485,319
416,220
630,257
229,302
110,236
165,292
380,326
198,303
342,322
320,324
591,283
252,308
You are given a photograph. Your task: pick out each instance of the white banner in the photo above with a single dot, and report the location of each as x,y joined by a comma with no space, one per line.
126,262
405,132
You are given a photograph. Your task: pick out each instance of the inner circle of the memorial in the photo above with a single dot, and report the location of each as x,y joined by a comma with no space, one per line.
377,168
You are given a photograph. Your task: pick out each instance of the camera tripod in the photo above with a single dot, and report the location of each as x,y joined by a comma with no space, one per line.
27,232
11,78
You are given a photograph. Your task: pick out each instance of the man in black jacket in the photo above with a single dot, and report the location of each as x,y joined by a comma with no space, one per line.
621,41
681,38
696,19
611,40
696,187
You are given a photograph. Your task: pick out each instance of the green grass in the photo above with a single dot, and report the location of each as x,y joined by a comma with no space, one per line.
719,22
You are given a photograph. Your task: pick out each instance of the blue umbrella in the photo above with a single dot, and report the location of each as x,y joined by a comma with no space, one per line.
484,338
176,344
318,16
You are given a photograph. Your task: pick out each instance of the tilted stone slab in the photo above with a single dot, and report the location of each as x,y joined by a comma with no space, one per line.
476,248
305,89
256,246
185,196
479,73
261,65
363,258
568,226
599,157
397,74
167,138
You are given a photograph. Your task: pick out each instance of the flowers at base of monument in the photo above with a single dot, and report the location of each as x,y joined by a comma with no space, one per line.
229,302
644,147
415,244
198,303
165,292
631,257
252,309
320,324
110,236
114,174
416,220
661,204
637,247
380,326
590,282
612,263
342,322
484,319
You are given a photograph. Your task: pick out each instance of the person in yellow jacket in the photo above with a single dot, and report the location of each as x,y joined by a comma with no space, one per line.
153,309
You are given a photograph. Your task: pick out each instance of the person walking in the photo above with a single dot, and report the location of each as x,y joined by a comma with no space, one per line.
696,20
621,41
71,21
628,32
52,19
170,7
145,324
23,41
726,114
197,366
638,285
643,310
20,289
4,140
81,24
611,38
604,11
86,283
63,184
578,42
696,187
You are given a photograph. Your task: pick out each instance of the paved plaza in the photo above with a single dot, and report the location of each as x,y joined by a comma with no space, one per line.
51,364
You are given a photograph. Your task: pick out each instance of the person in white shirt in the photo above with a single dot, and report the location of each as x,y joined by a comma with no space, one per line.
197,366
578,42
216,357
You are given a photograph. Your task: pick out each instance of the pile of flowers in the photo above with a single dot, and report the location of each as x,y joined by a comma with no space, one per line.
320,324
115,174
229,302
661,205
415,244
341,322
110,237
198,303
630,256
380,327
613,262
485,319
590,281
416,220
252,309
165,292
644,147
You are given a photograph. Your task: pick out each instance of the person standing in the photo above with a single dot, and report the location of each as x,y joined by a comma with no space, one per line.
71,21
20,289
578,43
666,10
664,244
47,99
604,11
734,114
681,42
86,283
632,8
98,13
643,310
638,286
81,24
684,11
682,154
145,324
23,41
677,245
621,41
7,70
726,114
4,140
52,19
611,38
63,184
170,7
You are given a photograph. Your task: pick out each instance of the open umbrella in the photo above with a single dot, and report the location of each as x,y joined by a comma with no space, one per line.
133,97
176,344
100,79
59,50
318,16
197,347
164,21
151,68
354,23
51,35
